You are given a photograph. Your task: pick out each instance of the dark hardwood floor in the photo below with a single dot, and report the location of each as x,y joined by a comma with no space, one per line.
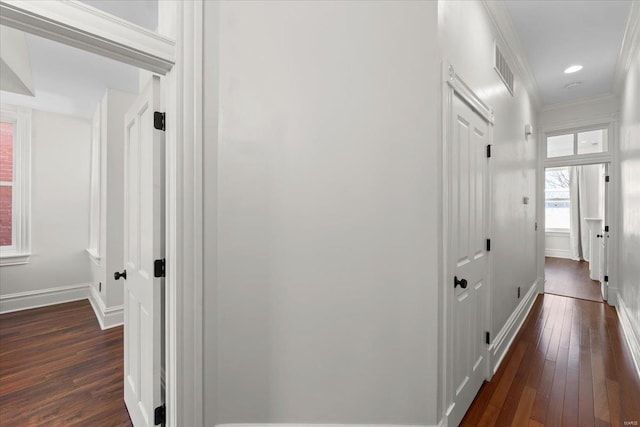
570,278
58,368
568,366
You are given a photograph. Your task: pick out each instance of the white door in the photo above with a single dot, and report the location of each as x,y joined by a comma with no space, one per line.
144,237
468,284
604,234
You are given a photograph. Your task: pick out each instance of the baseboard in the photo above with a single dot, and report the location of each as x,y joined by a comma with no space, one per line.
631,333
321,425
107,317
507,334
612,295
43,297
558,253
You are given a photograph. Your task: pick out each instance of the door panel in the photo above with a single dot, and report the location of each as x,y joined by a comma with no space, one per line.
468,233
144,219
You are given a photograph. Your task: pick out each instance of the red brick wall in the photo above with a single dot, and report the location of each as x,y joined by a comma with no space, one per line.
6,175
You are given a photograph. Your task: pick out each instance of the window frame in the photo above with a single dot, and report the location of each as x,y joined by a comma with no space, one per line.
555,230
574,132
20,249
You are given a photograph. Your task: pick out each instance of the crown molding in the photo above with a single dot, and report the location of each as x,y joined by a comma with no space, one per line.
509,41
630,48
581,102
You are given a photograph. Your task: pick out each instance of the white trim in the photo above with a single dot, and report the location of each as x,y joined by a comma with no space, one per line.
558,253
630,47
85,27
631,334
14,259
509,43
502,342
184,221
43,297
467,94
94,256
583,102
107,317
320,425
19,251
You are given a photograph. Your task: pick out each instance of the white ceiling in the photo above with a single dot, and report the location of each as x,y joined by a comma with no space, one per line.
71,81
557,34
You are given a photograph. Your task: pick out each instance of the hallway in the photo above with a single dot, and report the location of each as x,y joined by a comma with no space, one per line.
570,278
568,366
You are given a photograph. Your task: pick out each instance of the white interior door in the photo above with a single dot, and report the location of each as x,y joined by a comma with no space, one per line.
144,237
604,234
469,203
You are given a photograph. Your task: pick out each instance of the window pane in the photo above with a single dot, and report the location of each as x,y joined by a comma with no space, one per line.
560,145
6,152
593,141
557,201
6,215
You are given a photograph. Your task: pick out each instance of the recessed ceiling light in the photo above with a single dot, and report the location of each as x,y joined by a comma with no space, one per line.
573,69
572,84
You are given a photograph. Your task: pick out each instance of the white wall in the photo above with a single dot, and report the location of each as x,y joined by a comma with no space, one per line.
467,40
61,158
557,244
576,113
113,108
328,164
629,260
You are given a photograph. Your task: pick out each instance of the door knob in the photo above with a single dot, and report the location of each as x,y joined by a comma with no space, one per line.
462,282
117,275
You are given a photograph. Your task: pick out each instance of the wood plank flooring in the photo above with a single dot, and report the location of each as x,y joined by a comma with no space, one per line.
570,278
568,366
58,368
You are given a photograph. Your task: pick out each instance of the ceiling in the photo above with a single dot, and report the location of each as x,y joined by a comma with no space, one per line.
71,81
557,34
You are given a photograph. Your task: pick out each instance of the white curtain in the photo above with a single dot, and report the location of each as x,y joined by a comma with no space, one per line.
578,234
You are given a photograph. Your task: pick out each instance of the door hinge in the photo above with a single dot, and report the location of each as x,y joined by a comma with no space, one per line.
606,178
158,120
488,245
160,415
489,150
606,228
606,278
487,337
158,267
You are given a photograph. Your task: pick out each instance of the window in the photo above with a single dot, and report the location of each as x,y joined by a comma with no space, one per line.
584,142
557,206
15,149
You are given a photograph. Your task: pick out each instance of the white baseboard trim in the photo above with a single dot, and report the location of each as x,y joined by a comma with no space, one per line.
612,295
507,334
558,253
321,425
43,297
108,317
631,333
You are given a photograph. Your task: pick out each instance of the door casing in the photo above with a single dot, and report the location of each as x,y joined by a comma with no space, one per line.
176,54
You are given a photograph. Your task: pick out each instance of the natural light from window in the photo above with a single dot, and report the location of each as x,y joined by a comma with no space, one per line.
6,183
557,201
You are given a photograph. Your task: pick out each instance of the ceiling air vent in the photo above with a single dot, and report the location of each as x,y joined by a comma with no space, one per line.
503,70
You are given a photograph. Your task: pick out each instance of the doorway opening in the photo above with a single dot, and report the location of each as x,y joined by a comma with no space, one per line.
575,237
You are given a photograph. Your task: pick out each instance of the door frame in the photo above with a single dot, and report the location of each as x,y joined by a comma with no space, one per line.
176,53
611,157
453,85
